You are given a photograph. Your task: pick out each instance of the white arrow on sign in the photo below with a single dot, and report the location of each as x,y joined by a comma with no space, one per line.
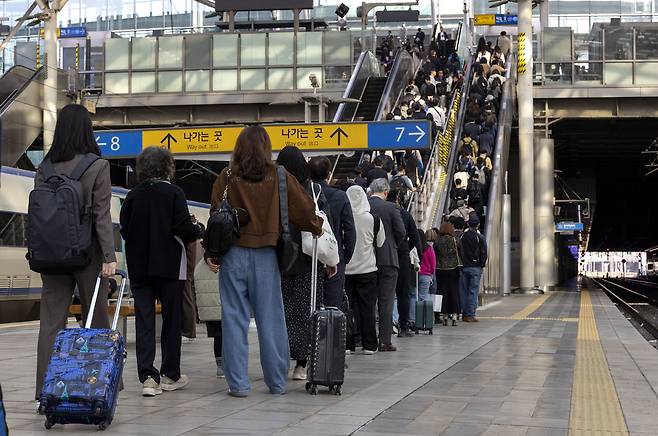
420,134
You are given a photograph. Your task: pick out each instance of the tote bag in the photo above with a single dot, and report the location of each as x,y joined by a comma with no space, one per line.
327,244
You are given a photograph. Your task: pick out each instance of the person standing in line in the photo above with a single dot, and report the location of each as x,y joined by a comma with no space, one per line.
361,271
427,268
296,284
249,275
342,223
156,224
387,258
206,285
409,242
447,271
73,139
473,253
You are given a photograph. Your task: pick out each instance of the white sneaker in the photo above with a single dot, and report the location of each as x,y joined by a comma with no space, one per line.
299,373
369,352
151,388
168,384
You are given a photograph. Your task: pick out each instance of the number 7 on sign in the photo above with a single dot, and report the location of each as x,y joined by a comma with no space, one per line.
401,130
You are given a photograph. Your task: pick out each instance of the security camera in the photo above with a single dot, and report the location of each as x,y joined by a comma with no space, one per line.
314,80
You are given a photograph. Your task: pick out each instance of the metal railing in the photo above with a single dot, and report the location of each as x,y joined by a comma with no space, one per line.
404,68
367,66
492,276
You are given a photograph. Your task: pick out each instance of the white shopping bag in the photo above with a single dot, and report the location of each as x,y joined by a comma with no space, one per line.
438,300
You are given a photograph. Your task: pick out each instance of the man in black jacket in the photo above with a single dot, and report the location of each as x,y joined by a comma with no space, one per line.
342,223
473,253
378,171
387,258
409,242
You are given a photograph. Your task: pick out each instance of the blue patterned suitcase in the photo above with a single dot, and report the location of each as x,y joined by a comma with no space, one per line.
81,384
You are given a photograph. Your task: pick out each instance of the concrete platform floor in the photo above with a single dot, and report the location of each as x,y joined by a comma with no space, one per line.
510,374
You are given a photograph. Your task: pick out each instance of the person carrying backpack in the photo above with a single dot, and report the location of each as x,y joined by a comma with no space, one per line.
72,176
473,254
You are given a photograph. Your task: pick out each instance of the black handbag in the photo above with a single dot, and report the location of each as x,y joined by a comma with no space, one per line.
287,249
223,226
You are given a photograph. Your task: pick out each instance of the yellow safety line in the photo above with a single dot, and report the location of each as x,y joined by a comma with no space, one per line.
595,408
534,305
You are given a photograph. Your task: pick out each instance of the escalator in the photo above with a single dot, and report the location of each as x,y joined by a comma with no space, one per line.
21,115
372,95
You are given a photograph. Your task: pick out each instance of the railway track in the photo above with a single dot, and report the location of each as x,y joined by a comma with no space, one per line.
639,298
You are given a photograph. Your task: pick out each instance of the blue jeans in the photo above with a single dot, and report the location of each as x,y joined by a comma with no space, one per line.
424,283
250,277
469,286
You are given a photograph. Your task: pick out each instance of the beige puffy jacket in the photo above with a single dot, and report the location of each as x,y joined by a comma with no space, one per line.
206,284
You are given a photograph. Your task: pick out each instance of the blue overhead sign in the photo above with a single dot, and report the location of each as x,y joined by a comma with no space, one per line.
407,134
73,32
569,226
507,20
119,143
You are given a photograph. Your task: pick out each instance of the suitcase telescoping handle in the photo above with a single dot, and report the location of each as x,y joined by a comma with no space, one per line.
117,310
314,274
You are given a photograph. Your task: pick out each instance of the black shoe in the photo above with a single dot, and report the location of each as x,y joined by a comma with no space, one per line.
387,347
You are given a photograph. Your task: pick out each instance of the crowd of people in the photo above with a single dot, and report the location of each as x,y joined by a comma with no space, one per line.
385,261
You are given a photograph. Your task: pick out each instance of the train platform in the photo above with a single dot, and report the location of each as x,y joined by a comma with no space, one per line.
564,363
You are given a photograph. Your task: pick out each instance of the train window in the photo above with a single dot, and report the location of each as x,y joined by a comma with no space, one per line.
117,238
13,229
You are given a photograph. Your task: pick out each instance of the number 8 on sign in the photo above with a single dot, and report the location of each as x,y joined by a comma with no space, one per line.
114,143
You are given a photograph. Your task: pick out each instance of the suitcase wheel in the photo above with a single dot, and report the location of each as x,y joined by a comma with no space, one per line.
102,426
308,386
338,390
42,409
431,332
313,390
49,423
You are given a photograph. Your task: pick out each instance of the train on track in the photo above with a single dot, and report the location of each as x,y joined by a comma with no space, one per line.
652,262
20,288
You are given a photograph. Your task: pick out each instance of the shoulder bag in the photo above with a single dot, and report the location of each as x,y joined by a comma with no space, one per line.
287,249
327,244
223,226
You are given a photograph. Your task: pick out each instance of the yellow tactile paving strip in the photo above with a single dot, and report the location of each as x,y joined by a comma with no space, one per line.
531,318
534,305
595,408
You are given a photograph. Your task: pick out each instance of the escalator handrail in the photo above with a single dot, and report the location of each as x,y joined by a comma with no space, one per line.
452,159
4,105
401,93
350,85
401,55
505,113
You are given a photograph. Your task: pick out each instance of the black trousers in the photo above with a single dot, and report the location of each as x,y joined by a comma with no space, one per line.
402,289
334,287
170,294
362,292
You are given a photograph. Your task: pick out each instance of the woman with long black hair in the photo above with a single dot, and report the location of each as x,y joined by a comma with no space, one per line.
74,148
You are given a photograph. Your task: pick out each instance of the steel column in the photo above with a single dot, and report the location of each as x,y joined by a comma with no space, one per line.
50,81
544,221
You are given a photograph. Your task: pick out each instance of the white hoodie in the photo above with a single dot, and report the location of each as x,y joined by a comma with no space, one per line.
363,260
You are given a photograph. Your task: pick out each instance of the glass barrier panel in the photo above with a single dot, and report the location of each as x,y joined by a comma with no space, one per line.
557,74
252,49
280,78
252,79
336,48
618,43
143,53
557,44
646,43
116,54
142,82
589,73
117,83
309,48
280,49
618,73
589,46
645,73
170,52
225,50
197,51
336,77
170,81
197,81
225,80
303,82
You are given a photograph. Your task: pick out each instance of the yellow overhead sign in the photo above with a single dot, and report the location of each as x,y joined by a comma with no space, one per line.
193,140
484,19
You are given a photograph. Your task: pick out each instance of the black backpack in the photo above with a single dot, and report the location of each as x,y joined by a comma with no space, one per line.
59,223
474,193
223,227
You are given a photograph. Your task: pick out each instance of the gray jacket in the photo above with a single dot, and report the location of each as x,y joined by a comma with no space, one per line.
97,189
206,284
387,254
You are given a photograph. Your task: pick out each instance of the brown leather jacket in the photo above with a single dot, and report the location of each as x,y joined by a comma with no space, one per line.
261,200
